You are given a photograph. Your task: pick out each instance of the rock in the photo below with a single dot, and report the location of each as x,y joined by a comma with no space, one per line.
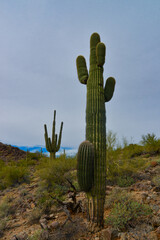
43,223
156,189
20,236
1,233
155,208
123,236
143,186
106,234
44,235
152,236
51,216
156,221
53,225
140,232
158,230
114,234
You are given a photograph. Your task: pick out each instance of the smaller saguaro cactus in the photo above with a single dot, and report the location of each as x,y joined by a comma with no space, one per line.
53,145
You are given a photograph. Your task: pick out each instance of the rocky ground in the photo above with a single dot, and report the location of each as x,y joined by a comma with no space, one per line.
59,223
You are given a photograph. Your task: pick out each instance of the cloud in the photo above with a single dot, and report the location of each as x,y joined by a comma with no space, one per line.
39,43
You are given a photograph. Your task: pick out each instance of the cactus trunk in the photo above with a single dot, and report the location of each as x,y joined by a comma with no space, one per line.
96,134
97,95
52,156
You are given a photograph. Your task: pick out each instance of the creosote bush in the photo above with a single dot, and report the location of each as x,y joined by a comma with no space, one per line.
124,181
6,207
35,215
53,174
156,180
126,211
3,224
13,174
151,143
36,236
124,162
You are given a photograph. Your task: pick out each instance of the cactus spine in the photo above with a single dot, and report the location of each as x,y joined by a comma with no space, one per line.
97,95
53,145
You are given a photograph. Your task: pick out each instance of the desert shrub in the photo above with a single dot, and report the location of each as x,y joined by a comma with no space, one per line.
36,235
111,140
116,196
53,174
6,208
156,180
151,143
12,174
2,164
34,156
35,215
123,162
127,212
121,168
124,181
3,224
43,199
132,150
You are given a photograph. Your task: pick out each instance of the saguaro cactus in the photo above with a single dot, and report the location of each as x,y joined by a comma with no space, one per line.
53,145
92,152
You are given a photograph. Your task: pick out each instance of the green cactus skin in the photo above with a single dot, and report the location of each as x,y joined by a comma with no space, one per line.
85,161
54,145
97,95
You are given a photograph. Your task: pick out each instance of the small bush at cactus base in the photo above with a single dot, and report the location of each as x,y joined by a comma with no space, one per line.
127,212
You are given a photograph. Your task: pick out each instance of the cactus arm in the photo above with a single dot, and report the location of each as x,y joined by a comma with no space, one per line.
82,69
55,142
50,145
45,130
46,137
109,88
95,39
60,137
100,53
53,127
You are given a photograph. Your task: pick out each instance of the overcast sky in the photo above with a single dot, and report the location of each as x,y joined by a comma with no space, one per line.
39,43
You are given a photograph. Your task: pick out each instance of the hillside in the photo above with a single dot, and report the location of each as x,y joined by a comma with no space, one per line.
8,152
30,208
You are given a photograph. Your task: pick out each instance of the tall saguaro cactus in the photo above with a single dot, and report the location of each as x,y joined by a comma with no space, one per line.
91,167
53,145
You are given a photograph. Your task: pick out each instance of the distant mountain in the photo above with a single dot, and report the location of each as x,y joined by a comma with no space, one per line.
68,150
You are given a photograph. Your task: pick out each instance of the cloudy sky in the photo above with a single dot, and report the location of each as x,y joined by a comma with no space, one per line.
39,43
